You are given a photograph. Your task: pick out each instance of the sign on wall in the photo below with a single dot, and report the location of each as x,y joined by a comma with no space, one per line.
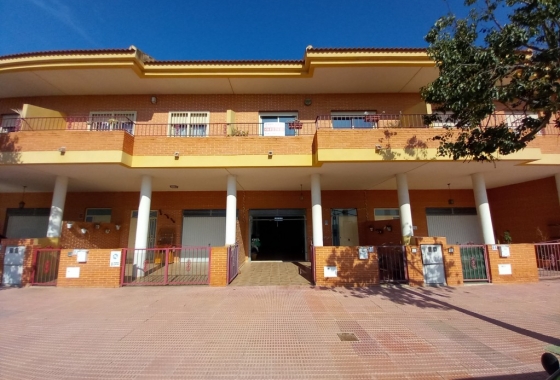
115,260
363,253
504,269
330,272
73,272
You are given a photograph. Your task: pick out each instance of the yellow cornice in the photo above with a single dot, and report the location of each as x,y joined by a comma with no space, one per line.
256,69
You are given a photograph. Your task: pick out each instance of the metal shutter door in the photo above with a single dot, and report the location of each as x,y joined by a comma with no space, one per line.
23,227
458,229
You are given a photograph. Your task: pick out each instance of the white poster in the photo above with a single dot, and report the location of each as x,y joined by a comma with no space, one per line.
115,260
274,129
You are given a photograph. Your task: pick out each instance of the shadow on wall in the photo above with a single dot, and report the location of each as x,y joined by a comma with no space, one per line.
9,152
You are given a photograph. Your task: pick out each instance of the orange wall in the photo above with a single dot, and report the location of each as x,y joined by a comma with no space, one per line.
525,209
523,264
95,273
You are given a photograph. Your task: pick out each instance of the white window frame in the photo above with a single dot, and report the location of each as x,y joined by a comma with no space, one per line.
172,126
441,124
354,114
112,115
387,217
278,114
513,118
10,122
100,218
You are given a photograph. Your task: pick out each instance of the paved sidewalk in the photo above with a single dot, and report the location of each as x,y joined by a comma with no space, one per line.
259,273
282,332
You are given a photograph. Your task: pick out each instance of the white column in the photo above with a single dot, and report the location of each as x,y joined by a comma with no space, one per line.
404,208
231,210
557,178
57,207
316,210
483,208
143,225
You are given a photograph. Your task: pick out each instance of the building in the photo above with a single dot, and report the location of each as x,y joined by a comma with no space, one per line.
110,149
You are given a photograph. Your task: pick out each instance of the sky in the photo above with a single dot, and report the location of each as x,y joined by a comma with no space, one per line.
217,29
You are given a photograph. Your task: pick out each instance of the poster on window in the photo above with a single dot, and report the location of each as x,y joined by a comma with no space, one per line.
274,129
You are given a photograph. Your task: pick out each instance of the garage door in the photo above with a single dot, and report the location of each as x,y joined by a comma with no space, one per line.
203,228
27,223
458,225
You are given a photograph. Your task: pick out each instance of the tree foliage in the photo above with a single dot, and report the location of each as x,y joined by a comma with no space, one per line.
485,65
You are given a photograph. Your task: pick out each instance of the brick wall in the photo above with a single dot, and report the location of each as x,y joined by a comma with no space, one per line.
523,264
92,239
95,273
530,211
351,270
451,260
218,266
414,266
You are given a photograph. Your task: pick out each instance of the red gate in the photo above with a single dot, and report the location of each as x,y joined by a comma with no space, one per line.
548,260
166,266
45,266
233,262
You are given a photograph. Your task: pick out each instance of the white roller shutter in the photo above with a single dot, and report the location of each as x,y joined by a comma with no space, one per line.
458,229
27,226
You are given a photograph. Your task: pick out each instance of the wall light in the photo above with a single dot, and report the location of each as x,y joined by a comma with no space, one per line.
69,224
83,230
107,230
154,100
176,155
97,226
388,228
371,228
62,150
117,227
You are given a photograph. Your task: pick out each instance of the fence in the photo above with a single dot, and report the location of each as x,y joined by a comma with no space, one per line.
233,262
548,260
166,266
45,266
474,260
392,264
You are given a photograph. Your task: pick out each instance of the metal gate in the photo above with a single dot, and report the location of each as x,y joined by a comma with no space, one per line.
548,260
45,266
166,266
233,262
474,260
392,264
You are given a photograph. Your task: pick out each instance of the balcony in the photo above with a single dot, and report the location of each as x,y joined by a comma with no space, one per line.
185,130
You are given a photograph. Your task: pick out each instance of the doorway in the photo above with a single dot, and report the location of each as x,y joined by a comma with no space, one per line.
345,227
151,243
278,235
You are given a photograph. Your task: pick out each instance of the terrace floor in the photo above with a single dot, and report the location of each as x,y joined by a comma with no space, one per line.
279,332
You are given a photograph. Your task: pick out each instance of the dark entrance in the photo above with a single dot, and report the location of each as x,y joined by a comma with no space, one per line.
278,235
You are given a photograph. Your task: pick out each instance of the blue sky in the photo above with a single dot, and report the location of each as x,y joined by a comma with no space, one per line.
216,29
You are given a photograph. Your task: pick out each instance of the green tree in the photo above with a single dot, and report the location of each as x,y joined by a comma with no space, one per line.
484,63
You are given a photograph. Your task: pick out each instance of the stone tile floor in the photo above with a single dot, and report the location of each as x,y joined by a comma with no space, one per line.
278,332
259,273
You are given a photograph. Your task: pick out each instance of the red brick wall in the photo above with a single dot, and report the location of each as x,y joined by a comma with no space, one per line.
523,264
92,239
95,273
529,210
351,270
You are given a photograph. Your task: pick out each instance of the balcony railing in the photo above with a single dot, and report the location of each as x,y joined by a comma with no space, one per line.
380,121
170,130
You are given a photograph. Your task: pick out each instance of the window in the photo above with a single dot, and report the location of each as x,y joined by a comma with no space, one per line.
386,213
98,215
112,121
10,123
277,123
188,124
354,119
445,120
515,119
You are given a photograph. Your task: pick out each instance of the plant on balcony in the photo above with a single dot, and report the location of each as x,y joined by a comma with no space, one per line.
237,132
485,63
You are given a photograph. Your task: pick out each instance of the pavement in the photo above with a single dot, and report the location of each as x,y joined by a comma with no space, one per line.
278,332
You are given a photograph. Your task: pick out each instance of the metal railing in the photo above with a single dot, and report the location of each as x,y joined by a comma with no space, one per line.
166,266
95,124
380,121
548,260
45,266
392,264
233,262
474,260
